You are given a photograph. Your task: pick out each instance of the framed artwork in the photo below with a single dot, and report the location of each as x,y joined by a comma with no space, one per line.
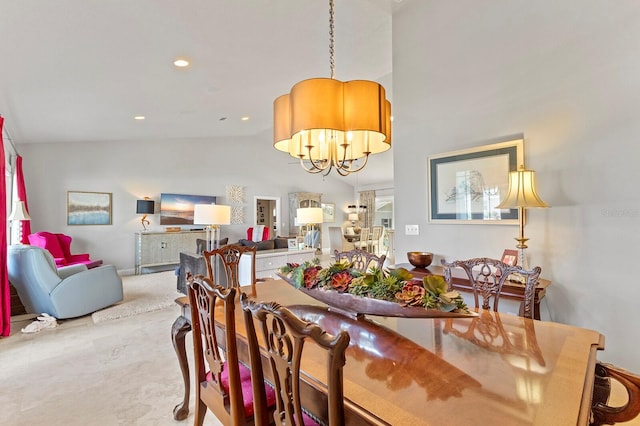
510,257
466,186
328,212
88,208
292,243
177,209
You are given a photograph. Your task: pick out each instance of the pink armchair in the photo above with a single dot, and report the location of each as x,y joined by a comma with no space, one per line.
59,245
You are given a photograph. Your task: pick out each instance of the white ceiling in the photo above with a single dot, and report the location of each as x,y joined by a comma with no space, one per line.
80,70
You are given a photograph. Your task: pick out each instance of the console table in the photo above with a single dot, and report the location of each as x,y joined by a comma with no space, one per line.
459,281
163,248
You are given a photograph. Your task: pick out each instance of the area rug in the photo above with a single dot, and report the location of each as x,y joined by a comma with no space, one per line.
142,293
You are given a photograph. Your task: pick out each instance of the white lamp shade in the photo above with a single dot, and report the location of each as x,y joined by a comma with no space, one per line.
522,191
211,214
19,211
353,217
309,215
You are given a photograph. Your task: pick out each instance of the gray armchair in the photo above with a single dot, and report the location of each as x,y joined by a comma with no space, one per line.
65,292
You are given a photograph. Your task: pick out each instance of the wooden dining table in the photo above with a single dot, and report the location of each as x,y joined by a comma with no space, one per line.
492,368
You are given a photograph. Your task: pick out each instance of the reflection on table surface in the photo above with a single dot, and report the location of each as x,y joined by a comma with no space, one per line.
494,368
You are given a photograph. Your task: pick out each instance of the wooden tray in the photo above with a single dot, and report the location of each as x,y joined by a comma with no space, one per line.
356,306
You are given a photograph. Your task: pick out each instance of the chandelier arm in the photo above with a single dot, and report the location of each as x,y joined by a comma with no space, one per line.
312,170
317,166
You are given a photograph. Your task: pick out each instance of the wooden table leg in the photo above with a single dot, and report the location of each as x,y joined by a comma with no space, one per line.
181,326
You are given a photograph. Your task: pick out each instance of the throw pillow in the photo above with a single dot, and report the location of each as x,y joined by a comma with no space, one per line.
281,243
266,245
247,243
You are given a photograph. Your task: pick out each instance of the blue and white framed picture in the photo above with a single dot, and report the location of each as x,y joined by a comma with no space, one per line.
466,186
88,208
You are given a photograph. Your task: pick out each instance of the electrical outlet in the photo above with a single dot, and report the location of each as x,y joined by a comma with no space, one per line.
411,230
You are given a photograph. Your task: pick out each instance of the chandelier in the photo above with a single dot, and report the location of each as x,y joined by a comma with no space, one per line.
328,123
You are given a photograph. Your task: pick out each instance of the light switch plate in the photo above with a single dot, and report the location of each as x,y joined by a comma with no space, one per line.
411,230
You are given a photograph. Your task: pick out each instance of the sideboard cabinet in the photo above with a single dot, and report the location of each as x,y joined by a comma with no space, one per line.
163,248
268,262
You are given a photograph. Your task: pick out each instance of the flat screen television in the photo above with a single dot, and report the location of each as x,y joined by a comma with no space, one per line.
177,209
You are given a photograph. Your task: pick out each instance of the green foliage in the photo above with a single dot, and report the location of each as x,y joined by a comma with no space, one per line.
296,271
378,284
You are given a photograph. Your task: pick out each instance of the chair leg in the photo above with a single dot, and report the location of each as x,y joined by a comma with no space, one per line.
201,409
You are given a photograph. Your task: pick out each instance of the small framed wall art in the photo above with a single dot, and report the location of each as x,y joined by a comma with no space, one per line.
328,212
88,208
292,243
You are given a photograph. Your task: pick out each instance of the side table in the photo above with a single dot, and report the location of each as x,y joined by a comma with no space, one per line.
459,281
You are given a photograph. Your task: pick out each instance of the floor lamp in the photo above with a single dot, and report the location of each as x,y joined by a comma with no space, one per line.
309,216
211,215
18,214
521,195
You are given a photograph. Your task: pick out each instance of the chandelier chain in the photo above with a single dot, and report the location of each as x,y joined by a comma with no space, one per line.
332,62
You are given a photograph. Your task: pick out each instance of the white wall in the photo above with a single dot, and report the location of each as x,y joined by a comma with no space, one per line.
131,170
566,76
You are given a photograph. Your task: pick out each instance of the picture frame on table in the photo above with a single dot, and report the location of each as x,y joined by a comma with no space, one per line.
88,208
510,257
292,243
465,186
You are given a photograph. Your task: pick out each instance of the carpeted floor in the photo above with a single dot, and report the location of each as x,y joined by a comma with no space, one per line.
142,293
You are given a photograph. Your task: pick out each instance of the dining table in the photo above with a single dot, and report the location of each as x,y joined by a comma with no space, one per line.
487,368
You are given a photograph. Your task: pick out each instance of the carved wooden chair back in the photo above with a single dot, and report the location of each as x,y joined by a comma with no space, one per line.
363,242
284,335
487,276
228,259
361,260
219,387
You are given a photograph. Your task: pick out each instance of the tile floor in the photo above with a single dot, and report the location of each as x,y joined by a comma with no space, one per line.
119,372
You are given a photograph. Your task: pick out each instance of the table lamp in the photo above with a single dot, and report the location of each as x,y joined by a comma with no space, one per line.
18,214
145,207
211,215
354,218
309,216
521,195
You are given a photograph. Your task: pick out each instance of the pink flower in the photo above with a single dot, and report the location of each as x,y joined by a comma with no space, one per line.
311,276
340,281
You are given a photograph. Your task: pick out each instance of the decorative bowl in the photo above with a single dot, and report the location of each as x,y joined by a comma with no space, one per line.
420,259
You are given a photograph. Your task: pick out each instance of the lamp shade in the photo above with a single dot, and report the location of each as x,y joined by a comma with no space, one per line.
211,214
19,211
353,217
522,191
309,215
145,206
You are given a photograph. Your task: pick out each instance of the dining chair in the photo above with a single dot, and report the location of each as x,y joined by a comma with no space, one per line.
361,260
284,336
374,239
223,384
363,242
602,412
223,264
487,276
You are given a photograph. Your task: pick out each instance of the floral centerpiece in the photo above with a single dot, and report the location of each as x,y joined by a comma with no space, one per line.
378,291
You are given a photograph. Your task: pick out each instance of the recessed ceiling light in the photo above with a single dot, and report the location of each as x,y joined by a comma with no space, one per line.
139,117
181,62
245,118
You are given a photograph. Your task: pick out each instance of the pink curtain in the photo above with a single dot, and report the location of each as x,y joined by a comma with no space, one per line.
22,195
5,298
